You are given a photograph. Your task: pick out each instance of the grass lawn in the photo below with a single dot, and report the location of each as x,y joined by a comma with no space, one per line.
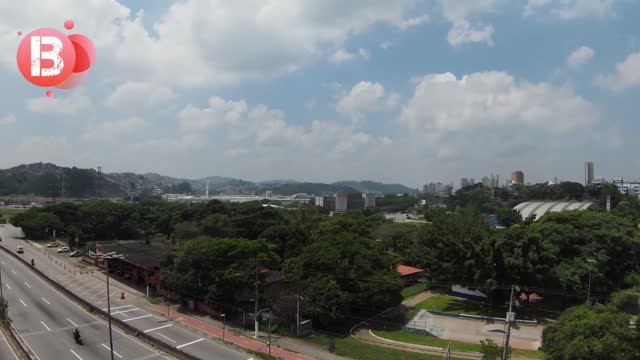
8,213
403,336
350,347
414,290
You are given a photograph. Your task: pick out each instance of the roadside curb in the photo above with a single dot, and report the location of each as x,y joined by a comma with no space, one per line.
15,342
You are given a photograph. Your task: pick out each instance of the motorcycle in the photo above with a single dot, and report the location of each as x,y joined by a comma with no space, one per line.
33,263
77,338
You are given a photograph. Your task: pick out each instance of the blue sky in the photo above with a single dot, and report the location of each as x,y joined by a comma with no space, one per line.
402,91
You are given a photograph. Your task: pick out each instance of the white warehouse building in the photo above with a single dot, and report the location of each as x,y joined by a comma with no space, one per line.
539,208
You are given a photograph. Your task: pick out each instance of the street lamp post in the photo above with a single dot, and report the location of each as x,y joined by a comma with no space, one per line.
106,260
258,314
224,325
590,261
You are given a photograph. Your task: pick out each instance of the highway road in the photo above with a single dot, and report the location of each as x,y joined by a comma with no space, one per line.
45,319
93,290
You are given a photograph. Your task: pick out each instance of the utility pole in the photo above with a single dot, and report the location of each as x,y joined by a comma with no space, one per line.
447,356
510,315
62,186
298,317
256,303
109,311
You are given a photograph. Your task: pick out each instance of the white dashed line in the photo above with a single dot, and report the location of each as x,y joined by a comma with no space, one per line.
189,343
136,318
45,300
108,348
8,287
25,305
14,273
74,353
74,324
45,325
126,311
29,286
158,328
168,338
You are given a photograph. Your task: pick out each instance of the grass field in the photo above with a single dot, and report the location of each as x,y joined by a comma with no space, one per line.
414,290
8,213
350,347
403,336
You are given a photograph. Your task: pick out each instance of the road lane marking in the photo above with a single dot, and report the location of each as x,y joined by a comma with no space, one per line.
168,338
14,273
108,348
125,311
136,318
74,324
3,263
9,287
158,328
189,343
25,305
29,286
45,300
74,353
119,307
45,325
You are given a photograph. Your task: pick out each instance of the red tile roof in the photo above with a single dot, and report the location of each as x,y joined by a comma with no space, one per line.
405,270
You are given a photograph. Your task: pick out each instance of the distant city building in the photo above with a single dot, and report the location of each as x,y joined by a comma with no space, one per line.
539,208
341,202
588,172
438,189
369,200
355,201
627,187
517,177
464,182
268,193
486,181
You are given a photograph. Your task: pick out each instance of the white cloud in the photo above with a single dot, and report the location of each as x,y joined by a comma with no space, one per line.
7,120
580,56
627,74
571,9
73,104
54,149
363,98
197,42
111,131
464,30
220,112
138,95
342,56
416,21
386,44
443,103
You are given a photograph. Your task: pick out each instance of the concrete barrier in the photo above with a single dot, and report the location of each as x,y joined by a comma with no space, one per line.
480,318
15,343
115,321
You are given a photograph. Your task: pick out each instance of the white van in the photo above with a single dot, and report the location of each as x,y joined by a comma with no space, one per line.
20,250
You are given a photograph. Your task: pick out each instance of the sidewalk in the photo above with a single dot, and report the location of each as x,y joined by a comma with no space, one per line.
216,331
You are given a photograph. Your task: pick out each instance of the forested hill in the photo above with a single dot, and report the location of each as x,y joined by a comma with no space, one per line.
50,180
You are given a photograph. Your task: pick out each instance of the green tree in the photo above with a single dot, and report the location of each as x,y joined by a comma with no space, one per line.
288,239
597,332
217,225
492,351
186,230
508,217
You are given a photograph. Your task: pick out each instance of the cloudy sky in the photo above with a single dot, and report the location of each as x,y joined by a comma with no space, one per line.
322,90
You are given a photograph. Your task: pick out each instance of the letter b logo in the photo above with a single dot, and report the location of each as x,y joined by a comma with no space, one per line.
46,57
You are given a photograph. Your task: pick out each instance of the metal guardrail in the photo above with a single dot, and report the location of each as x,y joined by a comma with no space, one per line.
95,310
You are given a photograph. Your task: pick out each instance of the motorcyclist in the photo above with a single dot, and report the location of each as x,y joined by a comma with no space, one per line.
76,335
33,263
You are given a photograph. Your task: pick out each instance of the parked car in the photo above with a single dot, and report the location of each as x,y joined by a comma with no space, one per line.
76,253
52,245
20,250
63,250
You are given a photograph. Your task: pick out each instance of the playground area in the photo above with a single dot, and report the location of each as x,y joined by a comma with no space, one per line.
473,330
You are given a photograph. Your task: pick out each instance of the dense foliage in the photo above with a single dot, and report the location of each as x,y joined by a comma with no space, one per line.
597,332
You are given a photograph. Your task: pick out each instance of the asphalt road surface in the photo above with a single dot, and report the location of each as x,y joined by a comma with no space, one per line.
93,290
